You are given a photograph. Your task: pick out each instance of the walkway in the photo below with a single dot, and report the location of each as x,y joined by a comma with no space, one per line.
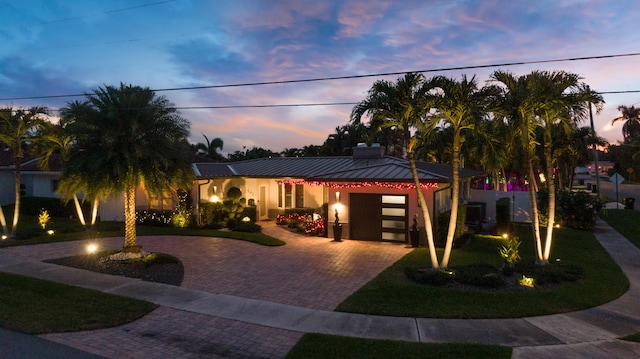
213,315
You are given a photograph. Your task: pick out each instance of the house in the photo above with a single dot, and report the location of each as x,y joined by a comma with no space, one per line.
373,194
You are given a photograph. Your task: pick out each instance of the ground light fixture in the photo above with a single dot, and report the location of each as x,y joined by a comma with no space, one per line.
92,248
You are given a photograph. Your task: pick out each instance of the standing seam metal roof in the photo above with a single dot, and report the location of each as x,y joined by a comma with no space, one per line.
340,168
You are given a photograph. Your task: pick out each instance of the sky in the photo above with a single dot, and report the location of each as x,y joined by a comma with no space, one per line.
69,47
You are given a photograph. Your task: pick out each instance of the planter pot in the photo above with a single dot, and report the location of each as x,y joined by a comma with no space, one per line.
337,233
415,238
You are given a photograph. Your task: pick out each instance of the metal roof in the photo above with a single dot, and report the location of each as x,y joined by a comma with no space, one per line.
338,169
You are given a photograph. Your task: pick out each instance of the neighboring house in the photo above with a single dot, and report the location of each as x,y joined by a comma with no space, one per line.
373,194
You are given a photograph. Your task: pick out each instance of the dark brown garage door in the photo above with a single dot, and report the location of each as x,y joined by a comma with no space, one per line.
376,217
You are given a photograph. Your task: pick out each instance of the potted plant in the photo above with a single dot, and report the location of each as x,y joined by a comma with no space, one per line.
509,252
337,229
415,232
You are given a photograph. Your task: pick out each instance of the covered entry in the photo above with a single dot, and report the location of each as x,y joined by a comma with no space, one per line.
378,217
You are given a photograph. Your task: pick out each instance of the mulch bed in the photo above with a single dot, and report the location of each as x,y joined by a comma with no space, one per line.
164,269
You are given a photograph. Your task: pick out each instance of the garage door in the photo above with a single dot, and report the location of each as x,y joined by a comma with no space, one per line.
378,217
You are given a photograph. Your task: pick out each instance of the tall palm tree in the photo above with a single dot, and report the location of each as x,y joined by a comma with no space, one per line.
401,105
126,137
17,127
517,105
563,99
459,105
631,127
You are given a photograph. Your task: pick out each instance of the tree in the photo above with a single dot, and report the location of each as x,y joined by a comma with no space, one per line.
562,99
459,105
401,106
210,149
631,127
517,104
17,129
126,137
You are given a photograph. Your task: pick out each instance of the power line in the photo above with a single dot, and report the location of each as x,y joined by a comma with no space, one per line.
106,12
318,79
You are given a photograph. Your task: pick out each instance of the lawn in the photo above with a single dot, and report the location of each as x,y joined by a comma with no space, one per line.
625,222
391,293
66,229
322,346
37,306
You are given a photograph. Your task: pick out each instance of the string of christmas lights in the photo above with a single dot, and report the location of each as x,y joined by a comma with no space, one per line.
398,186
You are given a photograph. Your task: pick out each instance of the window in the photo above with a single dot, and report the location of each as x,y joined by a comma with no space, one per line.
288,189
285,195
299,196
54,185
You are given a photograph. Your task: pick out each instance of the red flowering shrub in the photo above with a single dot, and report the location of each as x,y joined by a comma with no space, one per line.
302,223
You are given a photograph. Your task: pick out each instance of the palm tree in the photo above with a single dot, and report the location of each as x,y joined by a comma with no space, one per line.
563,100
17,127
126,137
631,127
517,105
459,105
401,106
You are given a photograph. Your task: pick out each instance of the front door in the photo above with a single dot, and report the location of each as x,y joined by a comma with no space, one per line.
262,202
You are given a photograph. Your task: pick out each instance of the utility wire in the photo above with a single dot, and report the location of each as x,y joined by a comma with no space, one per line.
443,69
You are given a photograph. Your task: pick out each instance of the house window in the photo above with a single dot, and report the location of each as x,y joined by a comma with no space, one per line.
285,195
54,185
288,194
299,196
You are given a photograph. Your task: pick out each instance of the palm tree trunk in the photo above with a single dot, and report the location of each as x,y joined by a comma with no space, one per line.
552,197
535,220
16,209
3,221
94,211
453,219
130,244
428,227
79,210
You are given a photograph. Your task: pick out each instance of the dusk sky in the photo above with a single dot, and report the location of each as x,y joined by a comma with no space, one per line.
57,47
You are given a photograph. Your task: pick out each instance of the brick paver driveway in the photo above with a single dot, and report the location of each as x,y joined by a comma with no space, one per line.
310,272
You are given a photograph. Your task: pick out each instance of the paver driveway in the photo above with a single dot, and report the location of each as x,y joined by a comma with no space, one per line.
309,272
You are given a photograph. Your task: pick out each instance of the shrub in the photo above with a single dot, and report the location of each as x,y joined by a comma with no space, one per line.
154,217
480,275
232,223
211,214
302,223
429,276
249,227
503,215
251,212
573,209
443,225
552,272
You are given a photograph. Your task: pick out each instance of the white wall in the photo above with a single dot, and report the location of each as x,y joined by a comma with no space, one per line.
520,206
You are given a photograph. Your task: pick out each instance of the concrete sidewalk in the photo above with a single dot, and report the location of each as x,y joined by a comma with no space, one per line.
589,333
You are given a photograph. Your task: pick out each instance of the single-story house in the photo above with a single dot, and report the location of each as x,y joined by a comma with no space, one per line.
373,194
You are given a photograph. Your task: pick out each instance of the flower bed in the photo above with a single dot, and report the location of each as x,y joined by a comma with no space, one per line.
311,225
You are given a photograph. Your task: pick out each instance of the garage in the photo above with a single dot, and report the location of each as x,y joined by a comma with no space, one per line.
378,217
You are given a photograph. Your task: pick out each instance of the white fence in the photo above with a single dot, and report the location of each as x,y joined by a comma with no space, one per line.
520,206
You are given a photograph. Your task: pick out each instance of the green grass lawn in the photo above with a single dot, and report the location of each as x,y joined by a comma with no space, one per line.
322,346
625,222
37,306
66,229
390,293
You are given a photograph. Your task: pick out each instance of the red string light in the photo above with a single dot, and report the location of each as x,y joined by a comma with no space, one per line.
398,186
